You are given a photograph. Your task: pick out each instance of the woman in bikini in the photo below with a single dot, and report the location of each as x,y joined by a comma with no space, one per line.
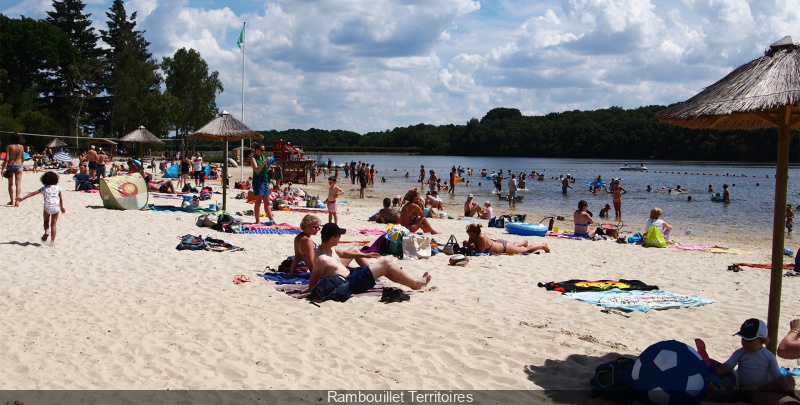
305,248
15,155
582,219
483,244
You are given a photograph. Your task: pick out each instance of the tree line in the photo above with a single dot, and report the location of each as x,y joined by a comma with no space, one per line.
613,133
59,76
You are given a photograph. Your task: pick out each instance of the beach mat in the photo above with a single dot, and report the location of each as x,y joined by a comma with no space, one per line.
729,251
169,208
301,291
641,301
788,266
269,231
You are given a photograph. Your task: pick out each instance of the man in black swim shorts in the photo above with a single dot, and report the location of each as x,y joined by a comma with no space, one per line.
360,279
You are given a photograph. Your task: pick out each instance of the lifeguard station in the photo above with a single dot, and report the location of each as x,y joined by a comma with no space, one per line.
292,161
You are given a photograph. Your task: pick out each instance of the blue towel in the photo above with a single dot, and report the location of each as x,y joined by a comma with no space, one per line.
278,277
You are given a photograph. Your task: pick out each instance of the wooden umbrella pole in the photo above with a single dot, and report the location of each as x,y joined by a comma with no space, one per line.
781,181
225,178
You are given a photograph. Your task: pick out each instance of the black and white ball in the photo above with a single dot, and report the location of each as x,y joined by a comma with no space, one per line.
459,260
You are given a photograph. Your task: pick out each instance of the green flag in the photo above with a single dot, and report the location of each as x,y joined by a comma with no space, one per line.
240,41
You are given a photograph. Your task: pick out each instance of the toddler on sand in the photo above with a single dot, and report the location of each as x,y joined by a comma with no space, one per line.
333,192
53,203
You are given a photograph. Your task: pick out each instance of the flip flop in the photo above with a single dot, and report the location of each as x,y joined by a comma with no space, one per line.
237,280
45,236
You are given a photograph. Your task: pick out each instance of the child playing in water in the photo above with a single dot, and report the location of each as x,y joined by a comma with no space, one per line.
53,203
333,192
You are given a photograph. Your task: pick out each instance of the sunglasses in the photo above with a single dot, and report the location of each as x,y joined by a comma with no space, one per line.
317,227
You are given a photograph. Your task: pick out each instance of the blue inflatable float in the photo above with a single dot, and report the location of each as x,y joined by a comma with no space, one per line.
526,229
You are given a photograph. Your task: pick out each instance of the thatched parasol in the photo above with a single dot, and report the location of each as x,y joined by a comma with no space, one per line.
141,136
760,94
225,128
55,143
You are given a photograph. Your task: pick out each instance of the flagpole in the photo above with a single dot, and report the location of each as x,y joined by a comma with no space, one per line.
241,151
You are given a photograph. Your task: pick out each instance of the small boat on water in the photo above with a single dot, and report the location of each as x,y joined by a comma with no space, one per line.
633,168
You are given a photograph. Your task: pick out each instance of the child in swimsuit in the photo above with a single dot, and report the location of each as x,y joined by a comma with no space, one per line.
53,203
333,192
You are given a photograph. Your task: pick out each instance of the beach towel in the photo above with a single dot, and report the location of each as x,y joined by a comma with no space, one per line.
200,242
269,231
576,285
788,266
641,301
279,277
169,208
379,246
689,247
301,291
167,196
722,249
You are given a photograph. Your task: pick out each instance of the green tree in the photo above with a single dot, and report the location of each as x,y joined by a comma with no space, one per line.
132,81
191,91
77,76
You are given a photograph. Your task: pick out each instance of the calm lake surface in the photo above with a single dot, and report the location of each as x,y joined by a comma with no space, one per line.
752,188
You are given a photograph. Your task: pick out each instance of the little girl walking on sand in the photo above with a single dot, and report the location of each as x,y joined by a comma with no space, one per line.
53,203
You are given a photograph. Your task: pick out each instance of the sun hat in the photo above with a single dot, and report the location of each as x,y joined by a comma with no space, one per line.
487,203
470,195
751,329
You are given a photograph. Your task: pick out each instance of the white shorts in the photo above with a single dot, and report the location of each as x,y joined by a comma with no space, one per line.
52,210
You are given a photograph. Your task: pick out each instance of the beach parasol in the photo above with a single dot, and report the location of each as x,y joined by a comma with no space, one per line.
225,128
763,93
62,157
55,143
141,136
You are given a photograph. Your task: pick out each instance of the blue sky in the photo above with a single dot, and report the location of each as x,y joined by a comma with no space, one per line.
372,65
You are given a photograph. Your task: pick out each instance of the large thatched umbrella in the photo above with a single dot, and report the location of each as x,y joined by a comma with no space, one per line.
55,143
760,94
141,136
225,128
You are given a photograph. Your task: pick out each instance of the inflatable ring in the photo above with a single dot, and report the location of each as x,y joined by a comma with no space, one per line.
526,229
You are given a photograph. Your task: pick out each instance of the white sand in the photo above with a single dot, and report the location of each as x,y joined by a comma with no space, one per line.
115,306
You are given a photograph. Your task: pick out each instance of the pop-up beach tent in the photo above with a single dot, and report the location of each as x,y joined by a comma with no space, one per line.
124,192
172,172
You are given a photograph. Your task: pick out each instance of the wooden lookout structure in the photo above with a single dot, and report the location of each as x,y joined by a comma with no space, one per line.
292,161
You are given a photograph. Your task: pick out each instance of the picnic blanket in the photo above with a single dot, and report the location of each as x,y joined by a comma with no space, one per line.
641,301
576,285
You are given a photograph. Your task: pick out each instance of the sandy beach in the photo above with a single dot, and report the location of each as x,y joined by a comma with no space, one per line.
115,306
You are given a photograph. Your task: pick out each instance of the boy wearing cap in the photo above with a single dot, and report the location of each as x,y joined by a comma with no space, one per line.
758,368
360,279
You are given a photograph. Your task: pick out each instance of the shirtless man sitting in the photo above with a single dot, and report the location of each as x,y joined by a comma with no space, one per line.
327,263
412,215
471,207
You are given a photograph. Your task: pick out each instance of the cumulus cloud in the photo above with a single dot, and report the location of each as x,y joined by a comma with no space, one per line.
370,65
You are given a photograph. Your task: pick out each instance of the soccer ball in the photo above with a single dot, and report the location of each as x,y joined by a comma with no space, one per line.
670,373
459,260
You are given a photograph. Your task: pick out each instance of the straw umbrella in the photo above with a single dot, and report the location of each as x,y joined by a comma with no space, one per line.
141,136
763,93
55,143
225,128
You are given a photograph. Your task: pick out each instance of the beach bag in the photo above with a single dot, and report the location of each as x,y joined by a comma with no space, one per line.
465,250
450,247
7,174
655,238
394,243
335,288
635,238
613,380
224,223
189,242
417,246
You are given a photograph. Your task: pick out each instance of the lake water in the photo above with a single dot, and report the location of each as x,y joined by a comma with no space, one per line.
752,188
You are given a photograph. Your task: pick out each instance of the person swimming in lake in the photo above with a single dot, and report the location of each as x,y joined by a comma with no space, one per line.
483,244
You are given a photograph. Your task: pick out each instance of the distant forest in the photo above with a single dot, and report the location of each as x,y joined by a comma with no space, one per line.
613,133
